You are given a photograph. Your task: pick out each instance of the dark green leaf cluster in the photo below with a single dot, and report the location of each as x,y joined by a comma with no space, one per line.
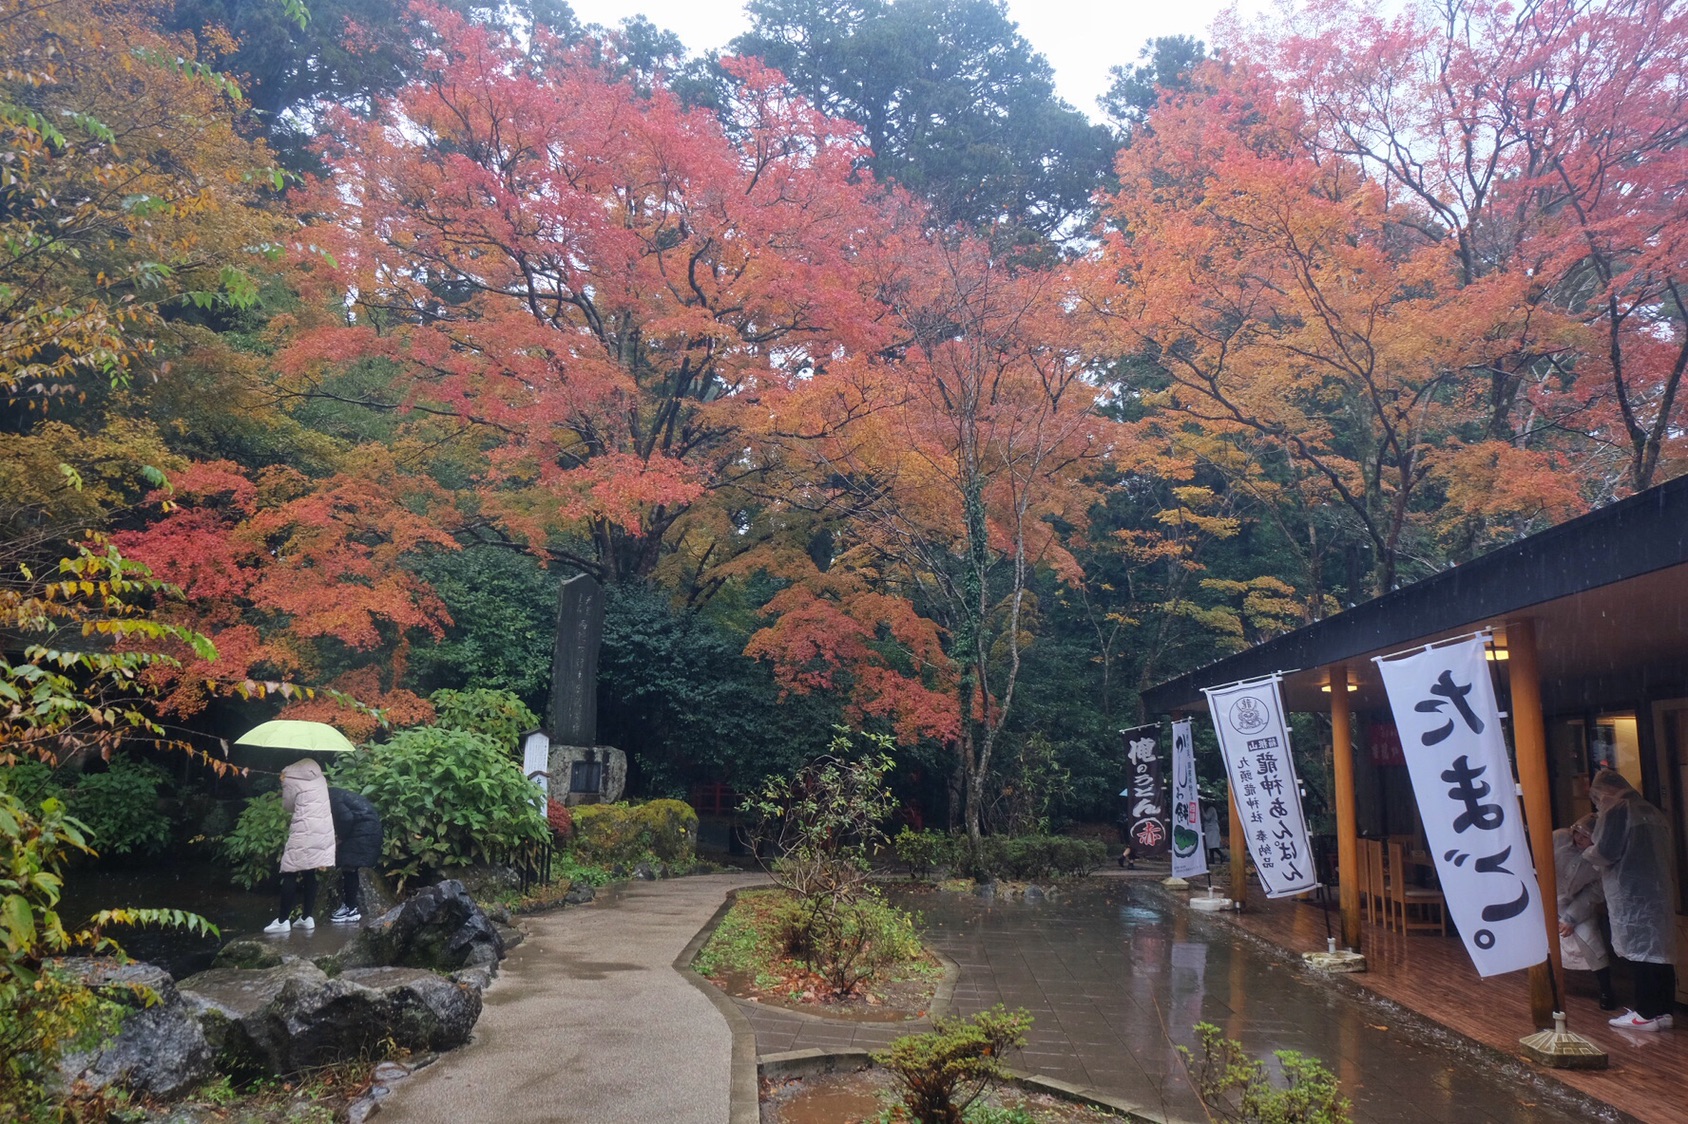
1234,1086
944,1070
120,807
447,798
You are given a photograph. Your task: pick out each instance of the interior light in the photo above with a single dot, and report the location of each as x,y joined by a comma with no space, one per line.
1351,687
1493,654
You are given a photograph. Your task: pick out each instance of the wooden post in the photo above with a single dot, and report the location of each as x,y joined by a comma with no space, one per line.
1239,855
1529,736
1347,820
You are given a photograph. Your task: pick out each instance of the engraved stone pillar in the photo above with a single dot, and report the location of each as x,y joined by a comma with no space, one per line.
574,665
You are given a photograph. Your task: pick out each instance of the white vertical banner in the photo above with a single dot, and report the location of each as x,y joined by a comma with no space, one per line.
1189,855
1249,717
1444,706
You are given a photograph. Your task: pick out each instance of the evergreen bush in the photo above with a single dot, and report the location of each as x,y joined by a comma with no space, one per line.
120,807
448,797
945,1069
625,833
253,849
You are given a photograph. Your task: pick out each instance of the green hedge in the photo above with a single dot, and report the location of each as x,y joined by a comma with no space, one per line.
627,833
1022,858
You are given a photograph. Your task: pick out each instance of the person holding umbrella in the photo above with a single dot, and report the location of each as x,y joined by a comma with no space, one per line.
304,796
310,843
357,844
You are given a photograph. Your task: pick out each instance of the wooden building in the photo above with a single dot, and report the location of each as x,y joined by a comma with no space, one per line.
1590,625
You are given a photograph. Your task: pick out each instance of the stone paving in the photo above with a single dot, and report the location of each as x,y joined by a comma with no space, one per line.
590,1023
1112,972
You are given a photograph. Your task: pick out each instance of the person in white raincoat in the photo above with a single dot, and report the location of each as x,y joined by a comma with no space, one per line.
310,843
1582,946
1631,849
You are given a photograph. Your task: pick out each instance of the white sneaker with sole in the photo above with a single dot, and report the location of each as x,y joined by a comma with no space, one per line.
305,923
1636,1022
279,925
346,916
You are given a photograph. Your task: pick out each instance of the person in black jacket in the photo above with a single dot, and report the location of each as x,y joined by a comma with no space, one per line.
357,837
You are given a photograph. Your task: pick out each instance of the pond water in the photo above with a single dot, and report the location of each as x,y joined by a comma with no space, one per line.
198,887
1117,976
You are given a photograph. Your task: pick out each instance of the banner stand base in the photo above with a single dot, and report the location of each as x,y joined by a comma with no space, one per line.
1341,961
1560,1049
1174,884
1212,903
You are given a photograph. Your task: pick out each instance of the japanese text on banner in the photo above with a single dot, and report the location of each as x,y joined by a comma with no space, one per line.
1189,853
1249,720
1145,815
1444,707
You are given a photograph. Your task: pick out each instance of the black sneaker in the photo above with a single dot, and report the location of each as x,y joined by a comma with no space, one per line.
344,916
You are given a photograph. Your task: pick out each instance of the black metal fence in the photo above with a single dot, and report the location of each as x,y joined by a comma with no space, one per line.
531,862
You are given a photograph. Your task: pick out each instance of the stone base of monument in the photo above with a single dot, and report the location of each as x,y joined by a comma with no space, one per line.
1340,960
587,774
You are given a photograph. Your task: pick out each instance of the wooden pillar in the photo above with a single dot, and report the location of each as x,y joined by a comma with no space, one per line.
1347,819
1529,736
1239,855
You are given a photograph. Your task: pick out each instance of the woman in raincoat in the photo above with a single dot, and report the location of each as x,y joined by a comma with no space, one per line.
1631,849
310,843
1582,946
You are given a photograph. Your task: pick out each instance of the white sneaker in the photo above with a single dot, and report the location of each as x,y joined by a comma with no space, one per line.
1636,1022
279,925
305,923
1666,1021
1627,1015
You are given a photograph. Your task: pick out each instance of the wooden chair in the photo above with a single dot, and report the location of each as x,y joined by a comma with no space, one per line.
1373,888
1405,898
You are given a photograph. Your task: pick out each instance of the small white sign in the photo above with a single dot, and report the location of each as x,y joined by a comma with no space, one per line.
536,760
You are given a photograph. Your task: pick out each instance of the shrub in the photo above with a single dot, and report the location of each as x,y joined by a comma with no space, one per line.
672,829
924,852
560,819
1234,1086
120,807
43,1011
944,1070
497,715
625,833
447,798
30,781
1035,857
253,849
848,943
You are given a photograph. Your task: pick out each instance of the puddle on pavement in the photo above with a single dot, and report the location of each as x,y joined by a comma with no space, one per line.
1116,978
841,1098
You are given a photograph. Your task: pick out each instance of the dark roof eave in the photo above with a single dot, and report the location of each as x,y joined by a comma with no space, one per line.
1561,561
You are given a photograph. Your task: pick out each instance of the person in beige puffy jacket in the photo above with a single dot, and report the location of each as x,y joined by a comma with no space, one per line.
310,843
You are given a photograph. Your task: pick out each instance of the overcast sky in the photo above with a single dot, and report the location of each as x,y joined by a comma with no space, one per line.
1080,38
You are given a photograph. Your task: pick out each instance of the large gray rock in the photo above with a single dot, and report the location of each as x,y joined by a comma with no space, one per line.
439,927
294,1016
159,1048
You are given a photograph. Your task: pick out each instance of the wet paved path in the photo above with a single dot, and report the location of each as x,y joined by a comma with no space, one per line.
1111,970
589,1023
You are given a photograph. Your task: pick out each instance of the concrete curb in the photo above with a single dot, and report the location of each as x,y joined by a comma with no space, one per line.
796,1064
744,1099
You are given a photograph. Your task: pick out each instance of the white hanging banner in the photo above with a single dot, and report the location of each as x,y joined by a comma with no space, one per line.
1189,852
1444,706
1250,720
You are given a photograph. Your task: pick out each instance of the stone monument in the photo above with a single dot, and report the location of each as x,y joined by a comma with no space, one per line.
581,771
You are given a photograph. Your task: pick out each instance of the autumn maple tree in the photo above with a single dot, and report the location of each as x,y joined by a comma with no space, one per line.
1541,145
588,284
958,464
1315,345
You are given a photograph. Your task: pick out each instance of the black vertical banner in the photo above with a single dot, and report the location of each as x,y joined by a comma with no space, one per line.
1146,804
